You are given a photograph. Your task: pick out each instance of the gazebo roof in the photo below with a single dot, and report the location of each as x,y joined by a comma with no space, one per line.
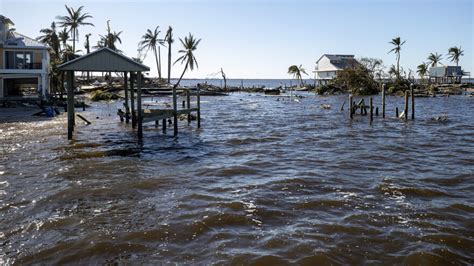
103,60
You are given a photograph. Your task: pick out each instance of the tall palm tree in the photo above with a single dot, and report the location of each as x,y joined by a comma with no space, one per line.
150,41
73,21
296,71
87,45
50,38
422,70
169,40
189,46
397,42
455,53
434,59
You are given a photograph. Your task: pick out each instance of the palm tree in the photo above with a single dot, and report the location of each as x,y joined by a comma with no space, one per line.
397,42
169,40
110,39
50,38
296,72
150,41
190,45
422,69
63,38
434,59
455,53
87,45
74,19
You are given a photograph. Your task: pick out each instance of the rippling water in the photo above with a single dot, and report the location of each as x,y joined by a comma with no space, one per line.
264,181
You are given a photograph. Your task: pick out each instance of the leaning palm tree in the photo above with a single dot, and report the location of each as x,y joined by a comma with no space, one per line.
73,21
422,70
434,59
169,40
150,41
190,45
455,53
296,71
397,42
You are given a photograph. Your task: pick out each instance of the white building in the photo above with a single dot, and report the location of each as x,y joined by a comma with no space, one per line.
328,65
24,64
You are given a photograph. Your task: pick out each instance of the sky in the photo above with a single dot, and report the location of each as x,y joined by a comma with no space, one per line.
262,38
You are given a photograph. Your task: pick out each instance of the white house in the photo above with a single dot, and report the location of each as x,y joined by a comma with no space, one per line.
24,63
328,65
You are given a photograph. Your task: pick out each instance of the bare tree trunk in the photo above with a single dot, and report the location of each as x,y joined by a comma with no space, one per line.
182,74
159,62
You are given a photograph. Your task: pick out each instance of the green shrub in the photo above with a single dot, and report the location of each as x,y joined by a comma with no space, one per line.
103,96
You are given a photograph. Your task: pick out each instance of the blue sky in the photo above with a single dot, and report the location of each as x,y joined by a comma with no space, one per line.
260,39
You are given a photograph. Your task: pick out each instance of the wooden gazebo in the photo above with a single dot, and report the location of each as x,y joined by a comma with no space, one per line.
106,60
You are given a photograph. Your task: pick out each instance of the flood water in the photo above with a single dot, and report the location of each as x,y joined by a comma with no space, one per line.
263,181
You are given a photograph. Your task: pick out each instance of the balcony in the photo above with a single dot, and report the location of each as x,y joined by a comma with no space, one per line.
25,66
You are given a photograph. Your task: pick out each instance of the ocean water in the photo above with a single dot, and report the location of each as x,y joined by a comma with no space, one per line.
265,181
269,83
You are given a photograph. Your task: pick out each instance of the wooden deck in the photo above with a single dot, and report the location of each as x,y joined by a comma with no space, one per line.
151,115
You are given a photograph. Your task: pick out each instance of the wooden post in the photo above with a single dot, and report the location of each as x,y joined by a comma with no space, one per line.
383,100
406,105
132,101
371,109
412,102
351,106
377,111
183,104
175,114
198,95
164,125
396,112
139,105
70,104
83,105
188,101
125,85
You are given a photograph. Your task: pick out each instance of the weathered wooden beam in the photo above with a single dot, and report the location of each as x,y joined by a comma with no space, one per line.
198,95
125,85
383,100
132,100
188,104
70,104
139,105
371,103
175,109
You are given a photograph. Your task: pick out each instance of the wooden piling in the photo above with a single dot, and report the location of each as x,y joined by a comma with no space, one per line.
125,86
351,106
132,100
396,112
383,100
198,95
377,111
139,105
412,102
183,104
83,105
406,105
371,109
70,104
164,125
175,112
188,104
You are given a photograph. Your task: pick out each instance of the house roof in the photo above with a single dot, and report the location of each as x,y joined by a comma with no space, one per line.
6,20
339,61
335,56
103,60
19,40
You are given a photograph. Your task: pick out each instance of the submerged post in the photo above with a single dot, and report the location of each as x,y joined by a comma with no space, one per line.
175,112
396,112
125,86
139,105
351,106
70,104
198,95
132,101
371,109
383,100
406,105
412,102
188,105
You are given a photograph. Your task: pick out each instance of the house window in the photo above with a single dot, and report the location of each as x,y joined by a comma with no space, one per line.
19,60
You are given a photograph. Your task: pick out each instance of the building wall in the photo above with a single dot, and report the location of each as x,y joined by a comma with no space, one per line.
325,64
1,58
326,74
